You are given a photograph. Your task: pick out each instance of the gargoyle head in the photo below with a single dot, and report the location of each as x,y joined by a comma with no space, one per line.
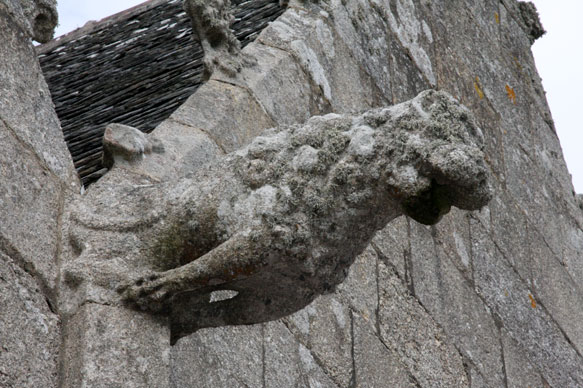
38,18
443,163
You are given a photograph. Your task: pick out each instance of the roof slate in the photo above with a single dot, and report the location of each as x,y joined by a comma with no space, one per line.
133,68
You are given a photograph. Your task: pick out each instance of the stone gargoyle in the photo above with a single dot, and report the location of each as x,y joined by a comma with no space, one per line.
280,221
36,18
211,21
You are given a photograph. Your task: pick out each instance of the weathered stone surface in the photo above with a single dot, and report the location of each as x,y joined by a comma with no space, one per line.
326,330
408,330
34,169
507,225
29,201
363,29
516,306
374,365
289,363
37,18
211,21
222,357
392,246
182,152
283,160
451,301
476,379
234,108
482,300
29,330
108,347
408,21
309,37
360,288
186,149
127,225
452,236
34,163
555,289
519,372
124,145
531,22
275,69
407,78
26,108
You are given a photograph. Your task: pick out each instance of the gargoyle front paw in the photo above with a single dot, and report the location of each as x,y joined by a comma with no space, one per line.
150,292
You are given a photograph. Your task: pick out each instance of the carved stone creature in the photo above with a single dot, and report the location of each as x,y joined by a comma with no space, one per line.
211,21
530,21
37,18
280,221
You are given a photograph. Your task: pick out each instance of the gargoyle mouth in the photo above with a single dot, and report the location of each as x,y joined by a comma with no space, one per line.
430,205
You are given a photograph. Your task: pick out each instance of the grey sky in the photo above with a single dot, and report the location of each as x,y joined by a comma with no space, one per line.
558,54
559,59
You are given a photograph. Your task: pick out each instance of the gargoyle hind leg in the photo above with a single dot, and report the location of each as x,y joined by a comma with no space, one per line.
235,259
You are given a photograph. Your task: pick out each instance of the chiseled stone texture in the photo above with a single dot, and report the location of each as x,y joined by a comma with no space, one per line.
35,171
29,203
221,357
288,362
309,36
35,164
25,102
376,366
450,300
107,347
232,107
29,331
483,299
408,330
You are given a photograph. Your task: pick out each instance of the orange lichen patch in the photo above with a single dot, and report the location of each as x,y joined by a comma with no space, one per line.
511,94
478,87
497,17
532,301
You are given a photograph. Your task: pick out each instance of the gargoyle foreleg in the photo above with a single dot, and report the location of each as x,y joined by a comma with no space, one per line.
235,259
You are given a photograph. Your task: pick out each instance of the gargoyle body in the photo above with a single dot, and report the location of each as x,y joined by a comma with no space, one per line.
280,221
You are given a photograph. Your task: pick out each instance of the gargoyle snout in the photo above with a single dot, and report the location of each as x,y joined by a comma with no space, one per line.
461,169
457,176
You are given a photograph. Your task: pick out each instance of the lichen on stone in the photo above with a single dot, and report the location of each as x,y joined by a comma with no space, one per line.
283,218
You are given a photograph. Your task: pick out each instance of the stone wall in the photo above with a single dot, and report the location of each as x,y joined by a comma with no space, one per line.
483,299
36,173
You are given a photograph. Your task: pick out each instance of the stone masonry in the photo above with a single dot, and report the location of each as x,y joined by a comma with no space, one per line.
488,298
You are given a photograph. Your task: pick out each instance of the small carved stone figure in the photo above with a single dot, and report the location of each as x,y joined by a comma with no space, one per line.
280,221
37,18
211,21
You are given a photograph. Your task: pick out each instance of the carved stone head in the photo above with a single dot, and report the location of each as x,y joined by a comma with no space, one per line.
444,164
38,18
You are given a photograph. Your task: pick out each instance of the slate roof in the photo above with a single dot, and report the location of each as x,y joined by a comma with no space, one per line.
134,68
